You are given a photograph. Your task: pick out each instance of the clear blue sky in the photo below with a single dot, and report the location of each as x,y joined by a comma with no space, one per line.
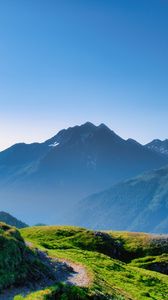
66,62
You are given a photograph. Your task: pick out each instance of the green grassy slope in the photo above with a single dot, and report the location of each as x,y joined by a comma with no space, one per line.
140,244
17,262
112,275
155,263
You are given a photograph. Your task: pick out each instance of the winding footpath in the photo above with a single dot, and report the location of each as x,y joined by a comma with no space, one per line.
62,270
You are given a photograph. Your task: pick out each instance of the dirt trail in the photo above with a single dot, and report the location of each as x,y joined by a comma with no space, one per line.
65,270
62,271
79,276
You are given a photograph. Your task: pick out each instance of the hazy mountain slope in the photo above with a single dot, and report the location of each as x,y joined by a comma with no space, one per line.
10,220
159,146
139,204
36,179
20,157
21,153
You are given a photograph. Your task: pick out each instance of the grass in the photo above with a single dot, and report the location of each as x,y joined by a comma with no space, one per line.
17,262
59,291
155,263
137,245
99,253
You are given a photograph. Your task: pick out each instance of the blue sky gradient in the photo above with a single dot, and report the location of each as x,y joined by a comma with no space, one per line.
67,62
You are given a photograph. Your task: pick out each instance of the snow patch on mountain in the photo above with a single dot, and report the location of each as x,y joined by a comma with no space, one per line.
159,146
54,144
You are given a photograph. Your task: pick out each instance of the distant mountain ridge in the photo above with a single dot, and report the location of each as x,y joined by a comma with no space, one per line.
138,204
159,146
10,220
46,179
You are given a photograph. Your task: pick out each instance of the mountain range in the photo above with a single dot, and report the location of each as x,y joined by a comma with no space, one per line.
47,179
138,204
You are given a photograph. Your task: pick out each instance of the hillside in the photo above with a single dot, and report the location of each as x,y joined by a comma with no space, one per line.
139,204
10,220
110,259
71,165
18,264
